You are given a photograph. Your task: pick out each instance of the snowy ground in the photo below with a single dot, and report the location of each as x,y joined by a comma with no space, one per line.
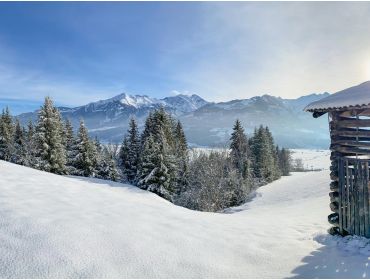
61,227
313,159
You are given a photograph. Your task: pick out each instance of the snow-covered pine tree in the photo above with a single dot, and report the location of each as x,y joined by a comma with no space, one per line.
71,148
182,159
122,158
50,151
263,165
240,150
148,161
85,162
30,145
6,135
154,173
274,159
133,152
107,169
148,129
20,147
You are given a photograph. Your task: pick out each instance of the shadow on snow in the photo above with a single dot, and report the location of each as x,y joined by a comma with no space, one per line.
339,257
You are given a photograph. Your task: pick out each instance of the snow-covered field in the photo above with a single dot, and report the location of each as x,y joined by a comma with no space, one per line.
55,226
313,159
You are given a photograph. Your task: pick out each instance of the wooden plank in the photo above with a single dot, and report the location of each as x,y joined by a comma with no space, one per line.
336,138
366,199
352,201
360,144
349,150
340,176
350,132
344,199
352,123
348,202
355,185
352,113
360,199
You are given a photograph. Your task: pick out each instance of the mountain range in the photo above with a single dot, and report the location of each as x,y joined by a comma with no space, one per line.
205,123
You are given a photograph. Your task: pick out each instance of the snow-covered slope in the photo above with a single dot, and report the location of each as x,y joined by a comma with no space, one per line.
55,226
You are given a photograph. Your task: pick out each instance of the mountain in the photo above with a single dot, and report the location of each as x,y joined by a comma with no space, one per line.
205,123
108,119
212,124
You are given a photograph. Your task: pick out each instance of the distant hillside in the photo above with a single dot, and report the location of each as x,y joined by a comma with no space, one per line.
205,123
291,127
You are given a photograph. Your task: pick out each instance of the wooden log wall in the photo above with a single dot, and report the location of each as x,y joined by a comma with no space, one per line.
349,137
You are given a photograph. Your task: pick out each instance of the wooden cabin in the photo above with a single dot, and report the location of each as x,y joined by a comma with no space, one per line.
349,124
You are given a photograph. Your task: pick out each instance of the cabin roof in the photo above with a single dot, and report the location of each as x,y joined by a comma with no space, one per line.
357,96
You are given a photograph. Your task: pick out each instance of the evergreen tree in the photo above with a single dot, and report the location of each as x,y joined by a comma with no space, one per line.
239,150
148,129
159,153
133,151
71,148
30,145
285,161
50,151
155,170
182,157
275,171
148,161
6,135
85,162
20,147
264,167
123,158
107,169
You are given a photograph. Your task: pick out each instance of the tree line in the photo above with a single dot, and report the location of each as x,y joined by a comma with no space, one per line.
158,159
51,145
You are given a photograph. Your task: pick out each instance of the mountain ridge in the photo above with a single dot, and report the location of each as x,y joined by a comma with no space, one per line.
205,123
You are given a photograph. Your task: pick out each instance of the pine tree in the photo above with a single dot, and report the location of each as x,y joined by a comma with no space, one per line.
107,169
182,158
239,150
155,174
71,148
50,151
30,145
264,166
284,161
85,162
6,135
148,129
275,171
148,161
123,158
133,151
20,152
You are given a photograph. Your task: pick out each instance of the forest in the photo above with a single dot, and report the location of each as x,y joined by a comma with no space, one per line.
157,159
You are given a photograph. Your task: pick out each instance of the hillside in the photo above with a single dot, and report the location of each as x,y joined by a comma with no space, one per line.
205,123
67,227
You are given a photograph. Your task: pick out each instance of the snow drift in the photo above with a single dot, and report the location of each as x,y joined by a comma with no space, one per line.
67,227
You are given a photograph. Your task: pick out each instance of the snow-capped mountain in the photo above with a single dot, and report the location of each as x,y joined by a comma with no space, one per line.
205,123
108,118
185,103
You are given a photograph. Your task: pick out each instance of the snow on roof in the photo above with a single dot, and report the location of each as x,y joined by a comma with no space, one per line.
356,96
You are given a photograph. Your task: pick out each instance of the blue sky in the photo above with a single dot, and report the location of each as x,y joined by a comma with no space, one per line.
79,52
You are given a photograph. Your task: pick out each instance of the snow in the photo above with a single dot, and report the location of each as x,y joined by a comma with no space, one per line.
354,96
138,100
69,227
313,159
